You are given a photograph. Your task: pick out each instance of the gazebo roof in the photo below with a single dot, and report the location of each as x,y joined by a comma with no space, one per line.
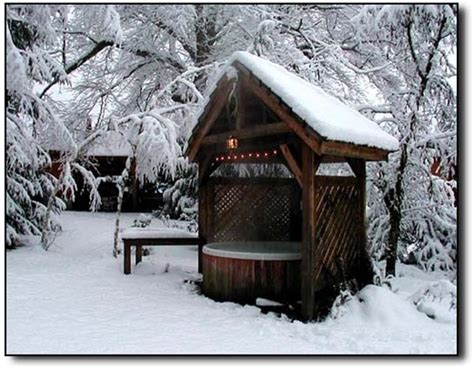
326,124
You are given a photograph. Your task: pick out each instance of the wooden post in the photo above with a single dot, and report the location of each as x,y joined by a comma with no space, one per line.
366,272
126,258
138,254
308,233
358,167
202,213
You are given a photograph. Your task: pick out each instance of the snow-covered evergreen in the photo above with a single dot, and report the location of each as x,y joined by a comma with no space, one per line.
29,36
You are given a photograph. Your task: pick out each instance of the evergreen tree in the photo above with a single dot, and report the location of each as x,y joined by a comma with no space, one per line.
29,36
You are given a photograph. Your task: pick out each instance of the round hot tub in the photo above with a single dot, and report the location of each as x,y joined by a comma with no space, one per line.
244,271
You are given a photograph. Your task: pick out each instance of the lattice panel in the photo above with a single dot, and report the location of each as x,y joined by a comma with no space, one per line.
254,210
339,231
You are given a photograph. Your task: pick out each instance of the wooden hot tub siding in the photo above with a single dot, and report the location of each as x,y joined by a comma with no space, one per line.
245,280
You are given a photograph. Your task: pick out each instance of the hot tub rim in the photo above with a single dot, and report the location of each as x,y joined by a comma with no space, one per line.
252,256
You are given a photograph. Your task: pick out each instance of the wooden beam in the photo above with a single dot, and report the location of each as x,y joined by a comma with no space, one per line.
317,161
203,168
219,99
248,133
308,233
292,164
353,151
358,168
341,181
206,167
326,159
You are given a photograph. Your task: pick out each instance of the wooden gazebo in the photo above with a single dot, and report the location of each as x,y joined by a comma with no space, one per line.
257,112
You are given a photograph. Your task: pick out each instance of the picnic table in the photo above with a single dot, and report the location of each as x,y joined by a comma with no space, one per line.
138,237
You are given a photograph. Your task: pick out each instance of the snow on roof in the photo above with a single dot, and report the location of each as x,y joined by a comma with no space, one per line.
325,114
110,144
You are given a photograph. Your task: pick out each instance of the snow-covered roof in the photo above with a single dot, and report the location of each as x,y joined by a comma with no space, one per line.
330,118
110,144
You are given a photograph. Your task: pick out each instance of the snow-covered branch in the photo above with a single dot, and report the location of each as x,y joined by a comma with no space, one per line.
435,137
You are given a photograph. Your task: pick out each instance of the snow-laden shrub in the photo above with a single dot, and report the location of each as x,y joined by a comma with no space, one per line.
435,299
187,225
428,223
142,221
27,191
178,204
180,198
339,307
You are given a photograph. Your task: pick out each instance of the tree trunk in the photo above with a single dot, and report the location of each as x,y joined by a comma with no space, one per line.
205,37
393,200
393,235
121,189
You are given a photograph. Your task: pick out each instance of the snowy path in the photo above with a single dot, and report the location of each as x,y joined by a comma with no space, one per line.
75,299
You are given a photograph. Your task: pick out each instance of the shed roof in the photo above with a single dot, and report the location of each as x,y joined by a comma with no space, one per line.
330,119
110,144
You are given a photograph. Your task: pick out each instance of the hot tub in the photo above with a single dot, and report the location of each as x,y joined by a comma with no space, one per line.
244,271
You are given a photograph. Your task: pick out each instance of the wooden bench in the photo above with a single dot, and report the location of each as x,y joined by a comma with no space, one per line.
136,237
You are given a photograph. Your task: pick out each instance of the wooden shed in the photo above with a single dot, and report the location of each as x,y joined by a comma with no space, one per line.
106,156
258,112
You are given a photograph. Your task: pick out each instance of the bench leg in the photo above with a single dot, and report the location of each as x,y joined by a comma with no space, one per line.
200,258
126,259
138,254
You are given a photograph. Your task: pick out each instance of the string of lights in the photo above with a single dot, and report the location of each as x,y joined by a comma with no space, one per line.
233,156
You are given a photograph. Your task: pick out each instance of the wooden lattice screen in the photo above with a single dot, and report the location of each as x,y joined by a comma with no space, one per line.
256,209
340,234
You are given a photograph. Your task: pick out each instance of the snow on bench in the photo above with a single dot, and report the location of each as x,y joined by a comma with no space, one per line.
147,233
137,237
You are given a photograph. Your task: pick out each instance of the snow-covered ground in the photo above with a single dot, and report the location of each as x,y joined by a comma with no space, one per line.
74,299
